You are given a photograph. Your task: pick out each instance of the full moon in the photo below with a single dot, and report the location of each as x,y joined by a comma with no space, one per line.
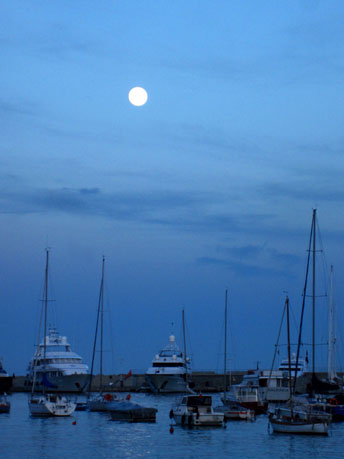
138,96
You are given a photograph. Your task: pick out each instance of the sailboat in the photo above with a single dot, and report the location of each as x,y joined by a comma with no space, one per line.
47,404
292,418
231,409
315,386
100,401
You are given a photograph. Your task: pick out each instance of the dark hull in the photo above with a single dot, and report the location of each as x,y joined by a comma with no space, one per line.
6,384
132,412
257,407
142,415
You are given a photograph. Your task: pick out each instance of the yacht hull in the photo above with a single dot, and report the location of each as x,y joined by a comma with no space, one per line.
76,383
167,383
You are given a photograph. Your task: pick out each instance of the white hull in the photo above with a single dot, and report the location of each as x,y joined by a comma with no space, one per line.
76,383
235,414
168,383
206,420
293,427
51,406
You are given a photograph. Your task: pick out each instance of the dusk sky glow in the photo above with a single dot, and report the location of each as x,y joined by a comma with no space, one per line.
209,185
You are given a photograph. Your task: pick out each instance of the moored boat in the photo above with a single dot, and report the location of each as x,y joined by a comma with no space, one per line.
100,401
169,370
62,367
5,405
297,418
51,405
47,404
231,409
293,425
5,380
125,410
196,410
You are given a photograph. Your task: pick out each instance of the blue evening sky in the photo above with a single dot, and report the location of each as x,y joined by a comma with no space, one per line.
208,186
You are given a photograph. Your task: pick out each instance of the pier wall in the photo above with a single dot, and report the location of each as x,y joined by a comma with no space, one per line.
200,382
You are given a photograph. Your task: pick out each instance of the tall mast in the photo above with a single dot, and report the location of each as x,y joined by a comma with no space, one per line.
303,303
45,299
184,338
101,325
289,357
225,352
331,339
99,314
313,293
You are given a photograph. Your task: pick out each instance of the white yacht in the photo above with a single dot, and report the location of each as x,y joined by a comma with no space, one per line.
61,370
302,366
169,370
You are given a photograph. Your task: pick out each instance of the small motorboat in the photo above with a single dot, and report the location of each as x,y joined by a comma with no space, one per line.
101,401
196,410
5,405
232,410
126,410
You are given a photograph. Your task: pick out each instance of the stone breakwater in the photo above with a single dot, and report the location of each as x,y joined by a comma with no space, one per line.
200,381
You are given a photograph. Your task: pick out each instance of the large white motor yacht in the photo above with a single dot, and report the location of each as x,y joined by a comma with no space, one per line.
302,365
169,370
62,368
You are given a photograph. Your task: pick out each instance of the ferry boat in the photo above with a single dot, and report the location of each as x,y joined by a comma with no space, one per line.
61,370
169,370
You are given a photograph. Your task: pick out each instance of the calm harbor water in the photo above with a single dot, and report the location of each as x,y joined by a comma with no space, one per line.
95,436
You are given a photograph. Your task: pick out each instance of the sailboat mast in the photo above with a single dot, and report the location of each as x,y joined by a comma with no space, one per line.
289,356
225,352
96,335
45,312
331,340
313,292
45,304
101,325
184,338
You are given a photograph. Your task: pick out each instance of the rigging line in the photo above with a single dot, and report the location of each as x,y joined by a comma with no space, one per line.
109,311
220,346
187,336
323,259
37,349
231,341
278,337
303,306
95,342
